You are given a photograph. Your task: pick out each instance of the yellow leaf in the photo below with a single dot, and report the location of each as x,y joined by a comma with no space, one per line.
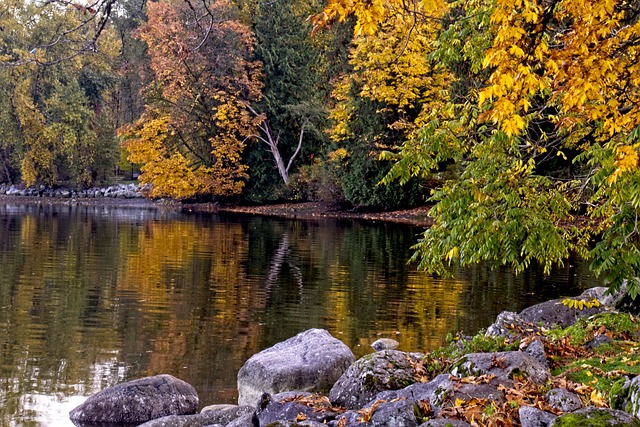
627,158
598,399
453,253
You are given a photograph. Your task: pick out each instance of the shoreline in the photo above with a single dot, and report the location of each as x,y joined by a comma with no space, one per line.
299,211
317,210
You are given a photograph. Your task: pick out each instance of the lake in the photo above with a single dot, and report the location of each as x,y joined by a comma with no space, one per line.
91,296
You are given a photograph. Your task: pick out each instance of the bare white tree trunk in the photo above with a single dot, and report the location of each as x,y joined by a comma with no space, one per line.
272,143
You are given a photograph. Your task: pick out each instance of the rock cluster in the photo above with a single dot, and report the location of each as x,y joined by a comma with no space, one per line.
120,191
313,380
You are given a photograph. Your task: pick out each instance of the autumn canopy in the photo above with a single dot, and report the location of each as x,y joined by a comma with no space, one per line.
518,121
539,130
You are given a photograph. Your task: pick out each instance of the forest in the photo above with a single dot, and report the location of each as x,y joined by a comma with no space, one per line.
517,121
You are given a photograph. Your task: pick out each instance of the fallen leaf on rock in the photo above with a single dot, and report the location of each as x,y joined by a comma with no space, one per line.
367,413
482,379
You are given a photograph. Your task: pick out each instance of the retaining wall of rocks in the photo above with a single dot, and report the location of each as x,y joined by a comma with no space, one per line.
121,191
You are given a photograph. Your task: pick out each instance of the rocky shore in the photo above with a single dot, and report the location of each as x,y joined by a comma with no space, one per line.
119,191
571,362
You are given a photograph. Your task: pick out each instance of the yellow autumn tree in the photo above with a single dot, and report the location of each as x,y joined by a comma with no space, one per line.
392,68
53,87
542,128
191,138
370,13
390,91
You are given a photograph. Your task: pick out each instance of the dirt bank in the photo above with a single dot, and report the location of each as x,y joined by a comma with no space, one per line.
314,210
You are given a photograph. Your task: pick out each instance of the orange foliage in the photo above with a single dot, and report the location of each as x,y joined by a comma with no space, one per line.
192,135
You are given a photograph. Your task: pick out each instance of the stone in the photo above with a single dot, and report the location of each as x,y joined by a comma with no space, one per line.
448,392
563,400
535,349
601,293
223,415
405,407
138,401
534,417
218,407
504,364
243,421
443,422
305,423
272,409
597,341
510,325
398,406
385,344
555,313
596,417
311,361
380,371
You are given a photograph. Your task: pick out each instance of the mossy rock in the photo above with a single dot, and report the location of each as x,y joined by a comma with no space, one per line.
596,417
372,374
620,394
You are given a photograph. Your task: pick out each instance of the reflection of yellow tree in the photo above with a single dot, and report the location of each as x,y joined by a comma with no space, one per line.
188,253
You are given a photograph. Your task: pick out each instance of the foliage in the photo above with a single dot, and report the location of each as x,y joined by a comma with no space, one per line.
318,181
620,325
580,304
294,69
600,368
542,125
384,100
54,130
191,136
370,14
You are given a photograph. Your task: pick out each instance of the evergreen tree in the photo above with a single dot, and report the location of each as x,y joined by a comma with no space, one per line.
293,97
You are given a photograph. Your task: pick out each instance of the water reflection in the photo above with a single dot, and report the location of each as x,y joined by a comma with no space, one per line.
92,296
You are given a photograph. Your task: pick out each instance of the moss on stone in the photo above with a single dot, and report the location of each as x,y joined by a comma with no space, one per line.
597,418
619,395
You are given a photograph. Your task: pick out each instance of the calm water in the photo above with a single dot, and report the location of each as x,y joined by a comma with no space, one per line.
93,296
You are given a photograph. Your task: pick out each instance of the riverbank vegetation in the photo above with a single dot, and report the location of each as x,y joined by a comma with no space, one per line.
517,120
594,358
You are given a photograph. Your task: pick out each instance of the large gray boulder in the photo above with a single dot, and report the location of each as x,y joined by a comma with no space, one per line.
372,374
311,361
243,421
555,313
397,406
504,364
138,401
536,350
602,294
397,413
511,325
408,406
596,417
